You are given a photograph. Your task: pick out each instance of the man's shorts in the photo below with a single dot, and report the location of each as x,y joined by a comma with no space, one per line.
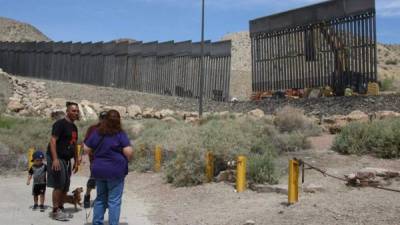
38,189
59,179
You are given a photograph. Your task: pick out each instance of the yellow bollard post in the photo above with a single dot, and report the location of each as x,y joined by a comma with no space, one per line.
241,174
209,166
157,158
79,152
293,185
30,157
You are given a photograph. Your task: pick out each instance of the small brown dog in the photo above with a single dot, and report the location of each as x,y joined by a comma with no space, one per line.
75,198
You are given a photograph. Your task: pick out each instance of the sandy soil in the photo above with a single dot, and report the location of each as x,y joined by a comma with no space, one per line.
149,200
217,203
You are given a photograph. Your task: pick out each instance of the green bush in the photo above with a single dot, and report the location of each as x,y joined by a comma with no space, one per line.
225,137
290,142
391,62
290,119
261,168
21,133
387,84
379,138
186,168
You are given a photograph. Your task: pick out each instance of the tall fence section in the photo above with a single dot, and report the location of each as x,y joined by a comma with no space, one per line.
166,68
327,44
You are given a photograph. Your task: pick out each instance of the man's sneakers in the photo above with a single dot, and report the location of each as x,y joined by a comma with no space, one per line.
41,207
86,202
35,207
60,215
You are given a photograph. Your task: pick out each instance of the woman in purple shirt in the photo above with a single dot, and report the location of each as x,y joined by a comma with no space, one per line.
111,151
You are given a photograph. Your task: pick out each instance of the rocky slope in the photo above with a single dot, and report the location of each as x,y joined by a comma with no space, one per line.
12,30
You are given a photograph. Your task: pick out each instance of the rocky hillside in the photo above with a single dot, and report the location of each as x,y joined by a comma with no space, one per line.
12,30
389,64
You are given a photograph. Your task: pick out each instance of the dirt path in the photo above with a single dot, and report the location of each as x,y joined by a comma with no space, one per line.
16,203
218,204
149,200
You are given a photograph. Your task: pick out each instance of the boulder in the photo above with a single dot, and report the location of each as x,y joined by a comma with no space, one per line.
166,113
258,113
386,114
15,106
120,109
334,124
358,116
134,111
148,113
88,113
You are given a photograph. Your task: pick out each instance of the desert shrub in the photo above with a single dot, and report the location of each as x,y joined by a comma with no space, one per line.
387,84
143,159
290,142
391,62
352,139
261,168
21,133
379,138
186,168
225,137
289,119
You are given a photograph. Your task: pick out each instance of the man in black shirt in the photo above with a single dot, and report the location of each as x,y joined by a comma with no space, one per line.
61,150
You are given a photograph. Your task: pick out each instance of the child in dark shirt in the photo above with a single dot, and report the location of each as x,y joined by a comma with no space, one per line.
38,173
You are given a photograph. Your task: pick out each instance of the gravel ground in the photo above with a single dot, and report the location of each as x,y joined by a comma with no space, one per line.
218,204
315,106
149,200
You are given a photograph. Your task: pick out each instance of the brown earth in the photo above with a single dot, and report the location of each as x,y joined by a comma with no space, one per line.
218,203
12,30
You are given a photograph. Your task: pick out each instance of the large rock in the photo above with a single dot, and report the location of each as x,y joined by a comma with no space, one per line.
120,109
258,113
15,106
148,113
88,113
134,111
166,113
358,116
334,124
386,114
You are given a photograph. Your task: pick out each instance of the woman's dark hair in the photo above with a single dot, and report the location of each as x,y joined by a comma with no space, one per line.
111,124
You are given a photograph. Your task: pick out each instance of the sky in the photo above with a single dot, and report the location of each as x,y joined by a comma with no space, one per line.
163,20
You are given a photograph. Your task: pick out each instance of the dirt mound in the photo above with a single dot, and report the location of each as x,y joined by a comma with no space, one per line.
12,30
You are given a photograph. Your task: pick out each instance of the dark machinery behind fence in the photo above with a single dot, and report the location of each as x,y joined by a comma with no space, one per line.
166,68
327,44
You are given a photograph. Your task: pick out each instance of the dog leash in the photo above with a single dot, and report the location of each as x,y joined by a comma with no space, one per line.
92,206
